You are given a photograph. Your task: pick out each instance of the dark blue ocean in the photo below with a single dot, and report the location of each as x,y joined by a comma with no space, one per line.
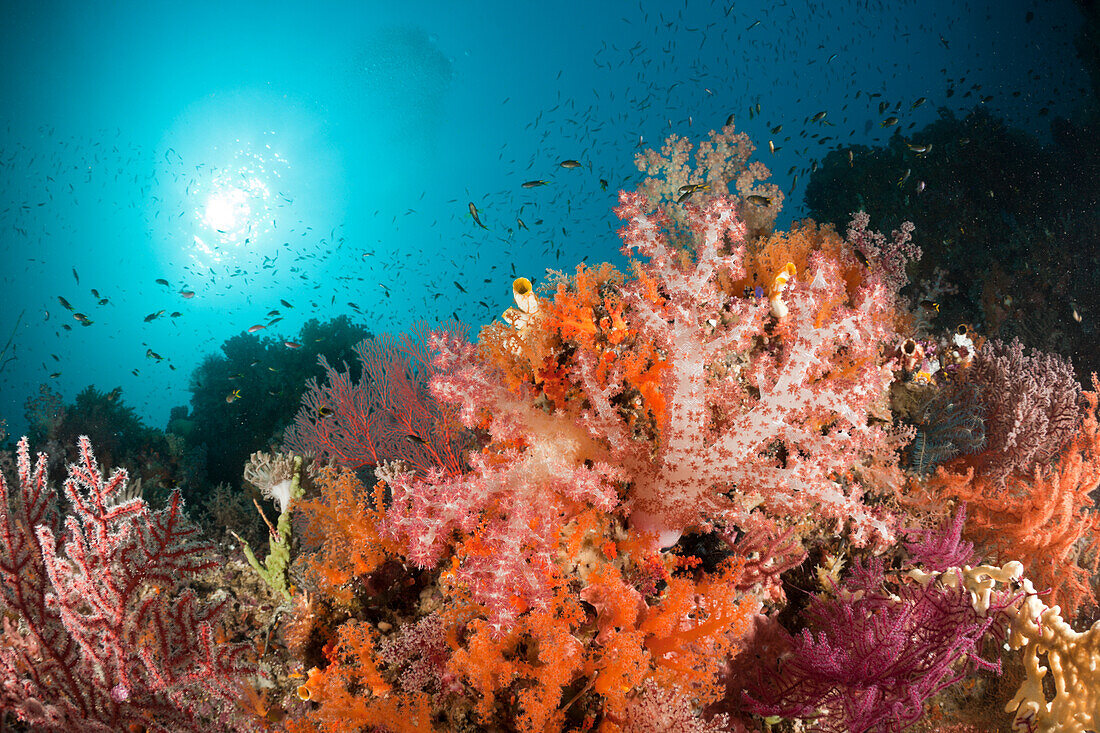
175,174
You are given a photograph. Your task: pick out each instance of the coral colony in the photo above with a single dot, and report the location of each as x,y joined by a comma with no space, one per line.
741,487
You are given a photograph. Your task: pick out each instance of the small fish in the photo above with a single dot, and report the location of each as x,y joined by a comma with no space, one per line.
153,316
82,318
325,411
889,122
818,117
153,355
920,187
292,345
257,327
918,103
862,258
569,163
187,294
457,285
603,184
535,183
851,158
162,281
771,146
273,312
95,293
905,177
285,304
102,301
76,276
753,25
757,200
930,305
175,314
920,149
520,224
114,394
416,439
55,375
1076,315
233,396
477,217
686,192
64,303
777,129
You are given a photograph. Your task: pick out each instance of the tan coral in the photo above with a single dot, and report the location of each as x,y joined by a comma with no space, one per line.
271,474
1072,658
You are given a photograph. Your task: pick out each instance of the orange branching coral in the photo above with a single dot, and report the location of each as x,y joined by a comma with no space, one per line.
621,665
695,628
1047,523
767,256
588,311
343,521
535,660
571,313
681,641
352,694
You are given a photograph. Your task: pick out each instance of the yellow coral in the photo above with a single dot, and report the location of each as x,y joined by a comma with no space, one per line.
1074,663
1073,657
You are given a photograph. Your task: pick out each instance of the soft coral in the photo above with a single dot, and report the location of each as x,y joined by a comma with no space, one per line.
787,419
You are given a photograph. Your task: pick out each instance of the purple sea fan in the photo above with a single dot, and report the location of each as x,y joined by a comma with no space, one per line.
942,548
870,658
1033,406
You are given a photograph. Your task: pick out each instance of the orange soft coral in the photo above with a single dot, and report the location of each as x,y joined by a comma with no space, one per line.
1048,523
343,523
767,256
681,641
696,628
351,693
534,661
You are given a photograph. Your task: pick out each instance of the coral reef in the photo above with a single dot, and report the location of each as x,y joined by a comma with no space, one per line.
744,485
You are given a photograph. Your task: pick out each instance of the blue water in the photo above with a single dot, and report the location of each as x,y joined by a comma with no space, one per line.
325,153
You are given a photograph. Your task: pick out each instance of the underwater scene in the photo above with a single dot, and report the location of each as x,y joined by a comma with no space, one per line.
628,367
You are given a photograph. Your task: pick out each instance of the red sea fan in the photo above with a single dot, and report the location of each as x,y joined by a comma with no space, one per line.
108,637
387,415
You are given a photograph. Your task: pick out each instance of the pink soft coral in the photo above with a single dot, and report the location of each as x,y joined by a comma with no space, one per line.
757,412
508,510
